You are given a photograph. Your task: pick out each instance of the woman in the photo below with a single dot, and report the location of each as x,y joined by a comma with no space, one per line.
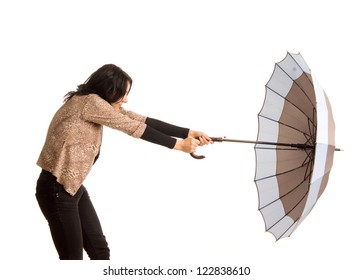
72,146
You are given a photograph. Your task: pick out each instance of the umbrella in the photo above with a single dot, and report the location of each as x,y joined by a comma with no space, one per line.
294,148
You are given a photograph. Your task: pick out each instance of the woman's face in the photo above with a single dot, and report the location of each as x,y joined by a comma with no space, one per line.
124,99
118,103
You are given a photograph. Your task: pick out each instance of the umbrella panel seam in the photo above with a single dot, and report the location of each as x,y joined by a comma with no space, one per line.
294,105
276,121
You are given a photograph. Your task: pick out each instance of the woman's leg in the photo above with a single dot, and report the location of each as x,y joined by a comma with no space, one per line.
94,241
61,211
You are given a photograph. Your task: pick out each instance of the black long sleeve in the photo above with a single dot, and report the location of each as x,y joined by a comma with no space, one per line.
159,132
155,136
168,129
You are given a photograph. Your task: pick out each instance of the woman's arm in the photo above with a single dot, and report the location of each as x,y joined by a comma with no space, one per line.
168,129
99,111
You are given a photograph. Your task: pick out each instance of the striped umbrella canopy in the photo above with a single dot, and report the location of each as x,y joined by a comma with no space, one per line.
294,148
292,174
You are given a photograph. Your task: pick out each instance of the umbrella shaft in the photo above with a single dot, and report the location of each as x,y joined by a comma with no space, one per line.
299,146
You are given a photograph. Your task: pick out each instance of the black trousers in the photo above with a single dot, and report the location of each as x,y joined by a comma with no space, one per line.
73,221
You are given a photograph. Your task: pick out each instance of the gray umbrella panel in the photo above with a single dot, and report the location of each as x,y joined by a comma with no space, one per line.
290,180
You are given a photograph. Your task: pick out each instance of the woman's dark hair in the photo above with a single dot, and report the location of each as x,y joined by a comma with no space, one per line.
110,82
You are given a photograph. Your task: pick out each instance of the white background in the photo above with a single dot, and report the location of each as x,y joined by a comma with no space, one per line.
199,64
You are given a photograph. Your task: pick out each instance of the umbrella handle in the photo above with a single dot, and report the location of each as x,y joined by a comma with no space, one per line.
214,139
197,156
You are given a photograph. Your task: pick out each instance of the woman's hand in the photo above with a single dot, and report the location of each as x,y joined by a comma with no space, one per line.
201,136
194,139
187,145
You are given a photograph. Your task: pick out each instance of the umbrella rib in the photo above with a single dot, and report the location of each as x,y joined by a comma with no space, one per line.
294,128
306,175
309,160
309,170
286,230
282,173
294,105
313,128
305,73
278,148
300,184
290,212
